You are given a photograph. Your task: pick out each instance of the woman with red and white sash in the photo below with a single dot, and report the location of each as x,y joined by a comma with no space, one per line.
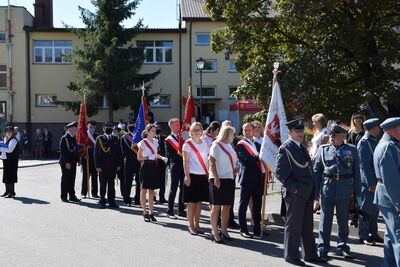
211,133
195,164
147,154
223,160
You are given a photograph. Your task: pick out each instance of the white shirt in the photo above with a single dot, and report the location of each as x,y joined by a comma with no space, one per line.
18,136
258,139
222,161
146,151
207,139
194,164
317,141
9,149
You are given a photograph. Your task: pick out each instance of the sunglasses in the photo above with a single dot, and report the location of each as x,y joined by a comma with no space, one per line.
357,117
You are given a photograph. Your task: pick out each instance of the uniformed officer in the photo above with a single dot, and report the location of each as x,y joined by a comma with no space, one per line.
387,194
91,130
107,157
337,174
131,165
368,226
68,159
294,170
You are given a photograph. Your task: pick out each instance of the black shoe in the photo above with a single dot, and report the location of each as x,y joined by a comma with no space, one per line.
74,199
296,262
163,201
95,196
171,215
5,194
233,225
64,200
137,203
113,205
228,238
216,241
83,196
146,217
378,239
152,218
200,232
317,260
11,195
182,213
246,234
191,232
344,254
257,235
103,205
323,256
369,242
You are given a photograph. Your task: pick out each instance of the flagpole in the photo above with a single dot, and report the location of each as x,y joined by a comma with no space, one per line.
87,158
268,173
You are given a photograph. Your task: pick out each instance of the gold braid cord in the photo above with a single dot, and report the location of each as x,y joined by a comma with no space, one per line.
69,148
108,150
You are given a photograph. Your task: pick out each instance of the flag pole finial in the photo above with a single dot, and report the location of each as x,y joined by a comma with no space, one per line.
190,88
275,72
143,89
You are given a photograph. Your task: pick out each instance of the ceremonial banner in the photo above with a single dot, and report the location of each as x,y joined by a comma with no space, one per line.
141,121
82,139
190,115
275,132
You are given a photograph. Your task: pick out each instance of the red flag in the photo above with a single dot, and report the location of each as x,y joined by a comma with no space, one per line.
190,117
82,138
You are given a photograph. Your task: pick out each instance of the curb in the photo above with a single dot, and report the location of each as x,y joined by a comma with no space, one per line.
34,165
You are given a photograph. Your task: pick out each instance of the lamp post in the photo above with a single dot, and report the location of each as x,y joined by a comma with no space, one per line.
200,66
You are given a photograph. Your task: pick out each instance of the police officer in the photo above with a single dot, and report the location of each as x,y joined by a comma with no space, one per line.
68,160
131,165
337,173
294,170
107,157
91,130
368,226
387,194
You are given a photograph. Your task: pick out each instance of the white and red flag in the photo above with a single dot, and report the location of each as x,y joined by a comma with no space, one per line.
276,131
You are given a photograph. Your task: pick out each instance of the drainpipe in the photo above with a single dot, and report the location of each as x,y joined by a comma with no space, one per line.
9,64
180,66
28,87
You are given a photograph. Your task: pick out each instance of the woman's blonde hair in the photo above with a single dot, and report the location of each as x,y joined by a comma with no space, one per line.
147,130
321,119
194,124
353,128
225,132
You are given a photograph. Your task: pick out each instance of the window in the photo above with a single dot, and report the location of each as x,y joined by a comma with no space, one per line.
3,111
46,101
51,52
210,65
3,76
2,37
232,92
156,51
208,92
232,66
161,101
103,102
202,38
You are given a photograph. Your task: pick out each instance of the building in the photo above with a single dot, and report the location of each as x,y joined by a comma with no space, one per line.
34,74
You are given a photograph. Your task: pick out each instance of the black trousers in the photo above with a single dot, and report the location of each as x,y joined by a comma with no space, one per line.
93,178
107,185
129,174
247,191
47,149
177,176
68,181
121,178
161,171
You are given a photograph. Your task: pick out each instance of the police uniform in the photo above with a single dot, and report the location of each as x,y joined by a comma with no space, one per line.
107,156
131,167
387,194
337,174
92,168
368,227
68,155
294,171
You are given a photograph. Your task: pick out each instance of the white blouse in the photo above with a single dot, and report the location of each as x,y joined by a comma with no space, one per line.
258,139
194,164
317,141
146,151
222,161
207,139
11,146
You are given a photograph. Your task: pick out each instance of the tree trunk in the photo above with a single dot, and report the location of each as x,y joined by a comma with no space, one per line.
110,114
380,112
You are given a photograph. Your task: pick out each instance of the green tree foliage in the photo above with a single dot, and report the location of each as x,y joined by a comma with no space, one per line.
335,55
108,64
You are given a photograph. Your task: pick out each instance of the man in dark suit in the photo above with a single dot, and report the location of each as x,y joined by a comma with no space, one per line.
160,163
250,175
47,141
131,165
107,157
68,160
176,166
294,171
92,169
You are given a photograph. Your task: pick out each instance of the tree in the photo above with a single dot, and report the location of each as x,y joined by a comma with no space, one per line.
107,64
335,55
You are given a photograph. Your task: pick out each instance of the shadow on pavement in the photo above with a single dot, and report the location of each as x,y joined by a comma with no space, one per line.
27,200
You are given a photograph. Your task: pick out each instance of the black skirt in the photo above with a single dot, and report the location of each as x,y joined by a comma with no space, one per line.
148,175
198,189
225,195
10,170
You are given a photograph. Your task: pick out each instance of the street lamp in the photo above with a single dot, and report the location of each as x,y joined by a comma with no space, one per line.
200,66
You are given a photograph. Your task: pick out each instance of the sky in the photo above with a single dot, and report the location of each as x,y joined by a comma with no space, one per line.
155,13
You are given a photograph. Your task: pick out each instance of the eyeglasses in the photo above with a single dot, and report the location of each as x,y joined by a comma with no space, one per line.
357,117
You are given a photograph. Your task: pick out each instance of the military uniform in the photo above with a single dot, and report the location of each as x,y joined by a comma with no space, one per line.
387,194
68,155
107,156
294,171
368,227
337,174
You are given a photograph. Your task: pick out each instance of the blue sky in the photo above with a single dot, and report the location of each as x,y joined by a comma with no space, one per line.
155,13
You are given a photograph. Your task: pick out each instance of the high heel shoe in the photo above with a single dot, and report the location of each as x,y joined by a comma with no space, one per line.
11,195
216,241
5,194
228,238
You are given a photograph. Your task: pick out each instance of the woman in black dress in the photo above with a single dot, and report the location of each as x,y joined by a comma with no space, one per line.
10,156
356,131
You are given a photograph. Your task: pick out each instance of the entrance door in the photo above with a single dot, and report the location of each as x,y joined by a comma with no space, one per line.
208,113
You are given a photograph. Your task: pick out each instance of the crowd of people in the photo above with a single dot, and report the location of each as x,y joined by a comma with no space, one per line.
361,164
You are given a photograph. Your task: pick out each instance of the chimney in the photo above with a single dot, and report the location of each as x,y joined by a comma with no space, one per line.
43,14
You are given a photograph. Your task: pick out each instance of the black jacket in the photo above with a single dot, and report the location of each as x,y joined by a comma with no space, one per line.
175,160
68,152
107,153
129,155
249,171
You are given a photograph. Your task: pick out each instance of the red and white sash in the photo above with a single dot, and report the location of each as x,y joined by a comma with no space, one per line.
252,151
229,156
91,137
150,148
199,157
174,143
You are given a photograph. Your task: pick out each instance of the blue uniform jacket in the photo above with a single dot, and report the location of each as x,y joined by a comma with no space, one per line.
366,147
249,172
343,160
294,170
387,168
